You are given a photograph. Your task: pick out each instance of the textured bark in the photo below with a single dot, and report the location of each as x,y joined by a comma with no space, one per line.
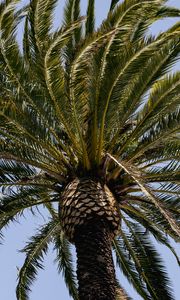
84,198
95,268
90,219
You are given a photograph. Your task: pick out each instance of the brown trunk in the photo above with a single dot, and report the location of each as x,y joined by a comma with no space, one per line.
90,219
95,268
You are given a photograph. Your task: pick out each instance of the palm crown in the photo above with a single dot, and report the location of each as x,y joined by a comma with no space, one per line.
98,103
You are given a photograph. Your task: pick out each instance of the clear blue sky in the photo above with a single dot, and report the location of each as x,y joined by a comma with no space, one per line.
50,285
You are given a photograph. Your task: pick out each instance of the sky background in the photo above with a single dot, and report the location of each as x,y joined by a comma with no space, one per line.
50,285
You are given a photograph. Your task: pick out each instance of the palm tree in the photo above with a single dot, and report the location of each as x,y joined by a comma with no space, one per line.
89,122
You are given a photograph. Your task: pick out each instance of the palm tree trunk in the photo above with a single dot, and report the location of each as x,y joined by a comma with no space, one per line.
95,268
90,220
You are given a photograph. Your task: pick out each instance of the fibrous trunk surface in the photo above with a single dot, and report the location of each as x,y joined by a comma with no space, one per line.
95,269
82,199
90,219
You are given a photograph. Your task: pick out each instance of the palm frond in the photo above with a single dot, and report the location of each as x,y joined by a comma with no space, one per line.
145,212
79,82
18,199
171,170
90,22
128,268
125,32
35,251
55,83
142,79
11,171
41,21
113,4
161,154
4,223
17,74
138,178
9,51
145,258
163,99
166,129
31,140
37,128
64,261
150,226
71,15
168,11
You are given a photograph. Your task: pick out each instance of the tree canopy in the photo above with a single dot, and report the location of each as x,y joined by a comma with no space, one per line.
85,102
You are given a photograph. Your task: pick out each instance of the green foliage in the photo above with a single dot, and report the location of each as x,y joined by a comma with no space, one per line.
144,262
113,4
81,101
64,261
35,251
90,18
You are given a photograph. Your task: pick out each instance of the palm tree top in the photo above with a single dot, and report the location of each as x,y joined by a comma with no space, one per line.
87,102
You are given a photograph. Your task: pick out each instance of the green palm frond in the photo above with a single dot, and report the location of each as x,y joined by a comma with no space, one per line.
55,84
169,11
122,36
12,171
137,87
64,261
90,23
145,257
107,66
113,4
35,251
17,73
71,15
81,102
141,209
128,268
150,226
41,18
12,206
166,129
81,109
161,154
171,170
137,177
163,99
5,221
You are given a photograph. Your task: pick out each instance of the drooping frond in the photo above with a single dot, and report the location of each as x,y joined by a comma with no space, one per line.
150,225
64,261
128,268
163,99
165,129
137,177
13,206
35,251
81,102
145,258
142,210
